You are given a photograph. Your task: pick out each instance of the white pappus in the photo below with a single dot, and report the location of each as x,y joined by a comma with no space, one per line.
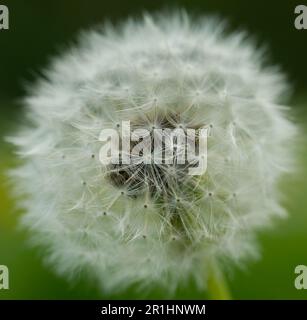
153,224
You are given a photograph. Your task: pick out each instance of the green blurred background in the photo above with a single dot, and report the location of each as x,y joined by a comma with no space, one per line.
39,29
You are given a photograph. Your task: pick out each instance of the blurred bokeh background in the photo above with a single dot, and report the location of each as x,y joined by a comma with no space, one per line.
39,29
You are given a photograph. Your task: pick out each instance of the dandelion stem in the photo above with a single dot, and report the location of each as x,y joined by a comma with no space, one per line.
217,286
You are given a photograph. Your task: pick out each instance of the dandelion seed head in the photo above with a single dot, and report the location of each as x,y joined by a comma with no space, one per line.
144,223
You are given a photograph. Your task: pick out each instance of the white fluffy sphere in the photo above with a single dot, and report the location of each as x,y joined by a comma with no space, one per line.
153,223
